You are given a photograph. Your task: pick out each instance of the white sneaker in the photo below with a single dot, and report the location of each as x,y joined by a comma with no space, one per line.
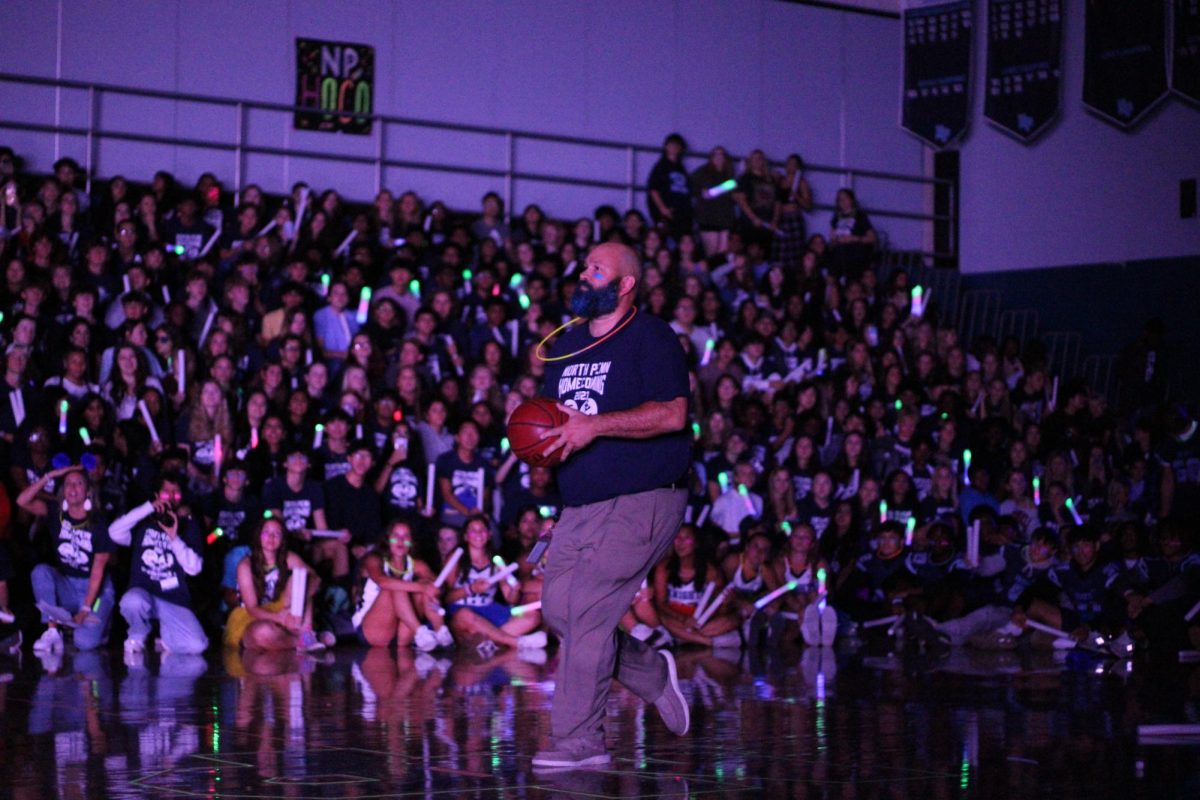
444,637
160,646
135,646
535,640
135,653
49,642
424,639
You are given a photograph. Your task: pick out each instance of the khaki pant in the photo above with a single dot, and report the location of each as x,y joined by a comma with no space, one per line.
598,558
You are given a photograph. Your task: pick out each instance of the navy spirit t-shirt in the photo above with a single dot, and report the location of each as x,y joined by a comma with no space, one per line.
155,567
78,542
641,363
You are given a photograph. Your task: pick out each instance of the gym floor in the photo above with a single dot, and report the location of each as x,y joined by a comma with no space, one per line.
855,722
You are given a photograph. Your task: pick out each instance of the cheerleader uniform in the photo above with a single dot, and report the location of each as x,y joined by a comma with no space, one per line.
684,598
486,604
369,591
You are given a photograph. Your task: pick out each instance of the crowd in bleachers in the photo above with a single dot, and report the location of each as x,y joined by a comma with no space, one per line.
279,423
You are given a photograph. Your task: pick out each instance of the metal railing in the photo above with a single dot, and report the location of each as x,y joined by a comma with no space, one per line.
239,144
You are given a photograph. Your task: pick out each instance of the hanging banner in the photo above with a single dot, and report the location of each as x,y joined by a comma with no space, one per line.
1124,66
1185,50
937,65
1024,72
334,79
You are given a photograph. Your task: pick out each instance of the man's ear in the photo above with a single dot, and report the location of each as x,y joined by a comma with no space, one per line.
629,287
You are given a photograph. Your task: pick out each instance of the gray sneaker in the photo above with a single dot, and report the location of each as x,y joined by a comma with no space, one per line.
671,704
571,756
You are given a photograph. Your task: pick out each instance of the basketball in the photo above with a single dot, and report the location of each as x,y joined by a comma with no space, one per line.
525,428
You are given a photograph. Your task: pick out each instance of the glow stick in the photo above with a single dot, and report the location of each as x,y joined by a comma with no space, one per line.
770,597
304,195
821,577
181,371
696,431
709,588
517,611
218,455
325,280
344,247
18,406
212,315
451,563
270,226
324,533
142,407
63,408
358,430
432,475
125,284
1191,614
787,527
499,562
883,509
966,466
1038,626
821,356
687,515
709,346
703,516
973,544
364,304
253,438
917,302
318,435
515,325
1074,514
910,529
414,288
208,245
721,188
299,587
829,430
87,437
723,480
978,403
879,623
712,609
166,293
1054,394
216,534
745,493
504,574
1037,491
428,223
504,445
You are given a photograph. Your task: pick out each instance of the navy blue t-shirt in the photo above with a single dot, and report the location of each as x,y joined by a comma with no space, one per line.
642,363
155,567
77,543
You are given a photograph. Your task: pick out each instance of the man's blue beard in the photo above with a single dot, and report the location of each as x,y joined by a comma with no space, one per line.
590,303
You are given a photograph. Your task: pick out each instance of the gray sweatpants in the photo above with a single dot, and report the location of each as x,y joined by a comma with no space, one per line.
598,558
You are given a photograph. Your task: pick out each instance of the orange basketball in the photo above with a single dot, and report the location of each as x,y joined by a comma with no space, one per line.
525,428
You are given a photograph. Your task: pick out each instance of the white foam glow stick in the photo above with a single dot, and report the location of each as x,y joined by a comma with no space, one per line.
973,544
1070,503
503,574
181,371
821,356
208,245
536,605
1189,616
218,455
709,346
1039,626
687,515
829,430
18,406
879,623
717,602
325,533
63,408
270,226
1054,393
516,324
451,563
499,562
431,478
141,404
771,596
318,435
709,588
910,529
703,516
364,305
166,293
345,245
299,591
358,432
125,284
212,315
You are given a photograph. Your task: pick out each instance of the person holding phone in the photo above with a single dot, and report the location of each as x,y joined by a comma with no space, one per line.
167,551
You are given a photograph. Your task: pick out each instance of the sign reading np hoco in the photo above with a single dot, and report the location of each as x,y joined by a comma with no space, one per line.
334,79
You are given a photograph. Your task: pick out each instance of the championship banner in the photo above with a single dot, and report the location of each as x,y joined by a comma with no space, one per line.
334,79
1185,50
1024,70
1124,66
937,67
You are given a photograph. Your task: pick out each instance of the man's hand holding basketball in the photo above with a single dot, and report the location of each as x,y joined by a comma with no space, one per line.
575,434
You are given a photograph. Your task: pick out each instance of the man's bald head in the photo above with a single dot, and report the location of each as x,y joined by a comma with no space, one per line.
623,258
